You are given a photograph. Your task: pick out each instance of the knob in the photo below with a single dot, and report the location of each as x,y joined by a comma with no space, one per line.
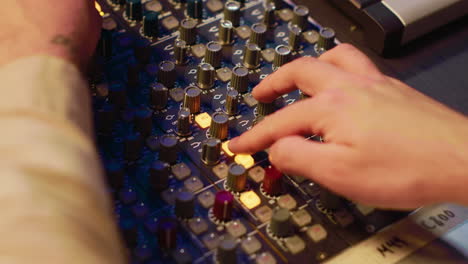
134,10
167,74
133,146
188,31
251,56
180,52
226,32
282,56
232,12
329,199
269,15
280,224
326,40
272,182
232,102
222,208
117,95
159,175
144,121
151,24
300,16
219,125
159,96
195,9
192,99
226,252
214,54
295,37
184,205
240,79
168,151
258,34
264,109
183,122
205,76
237,177
211,151
167,233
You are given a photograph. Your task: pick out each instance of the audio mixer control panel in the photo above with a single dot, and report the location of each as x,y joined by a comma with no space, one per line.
171,86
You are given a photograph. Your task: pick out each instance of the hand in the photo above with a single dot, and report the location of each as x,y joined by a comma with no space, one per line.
65,28
386,144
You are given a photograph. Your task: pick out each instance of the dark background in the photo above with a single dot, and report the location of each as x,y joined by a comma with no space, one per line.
436,64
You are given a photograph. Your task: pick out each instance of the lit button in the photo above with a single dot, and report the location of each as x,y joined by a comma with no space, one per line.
287,201
295,244
250,199
317,233
227,151
245,160
251,245
203,120
236,229
265,258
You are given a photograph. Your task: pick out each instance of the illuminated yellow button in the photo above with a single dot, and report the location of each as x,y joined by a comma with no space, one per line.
98,8
225,148
203,120
245,160
250,199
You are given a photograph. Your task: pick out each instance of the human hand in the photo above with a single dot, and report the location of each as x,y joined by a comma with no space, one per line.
386,144
65,28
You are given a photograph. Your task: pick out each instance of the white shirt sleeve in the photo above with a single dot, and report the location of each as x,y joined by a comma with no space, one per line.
54,203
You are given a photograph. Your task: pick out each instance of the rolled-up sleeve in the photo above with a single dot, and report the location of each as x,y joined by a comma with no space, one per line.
55,208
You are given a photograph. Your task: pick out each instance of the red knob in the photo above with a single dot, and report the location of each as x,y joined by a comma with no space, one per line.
272,183
222,208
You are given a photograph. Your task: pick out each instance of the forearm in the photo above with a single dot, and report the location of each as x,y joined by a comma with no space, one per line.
54,203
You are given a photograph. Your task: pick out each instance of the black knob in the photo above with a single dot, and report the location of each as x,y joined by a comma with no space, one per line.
280,224
269,18
105,44
300,16
258,34
232,12
232,102
195,9
188,30
211,151
133,146
134,10
151,24
219,125
282,56
214,54
240,79
326,40
168,151
251,55
184,121
205,76
226,32
264,109
118,95
192,99
159,96
227,252
159,175
167,233
237,178
329,199
295,37
184,205
180,52
167,74
144,121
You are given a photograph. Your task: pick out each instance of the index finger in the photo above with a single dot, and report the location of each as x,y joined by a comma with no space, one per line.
307,74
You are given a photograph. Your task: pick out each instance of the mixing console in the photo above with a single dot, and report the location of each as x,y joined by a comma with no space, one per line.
170,89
